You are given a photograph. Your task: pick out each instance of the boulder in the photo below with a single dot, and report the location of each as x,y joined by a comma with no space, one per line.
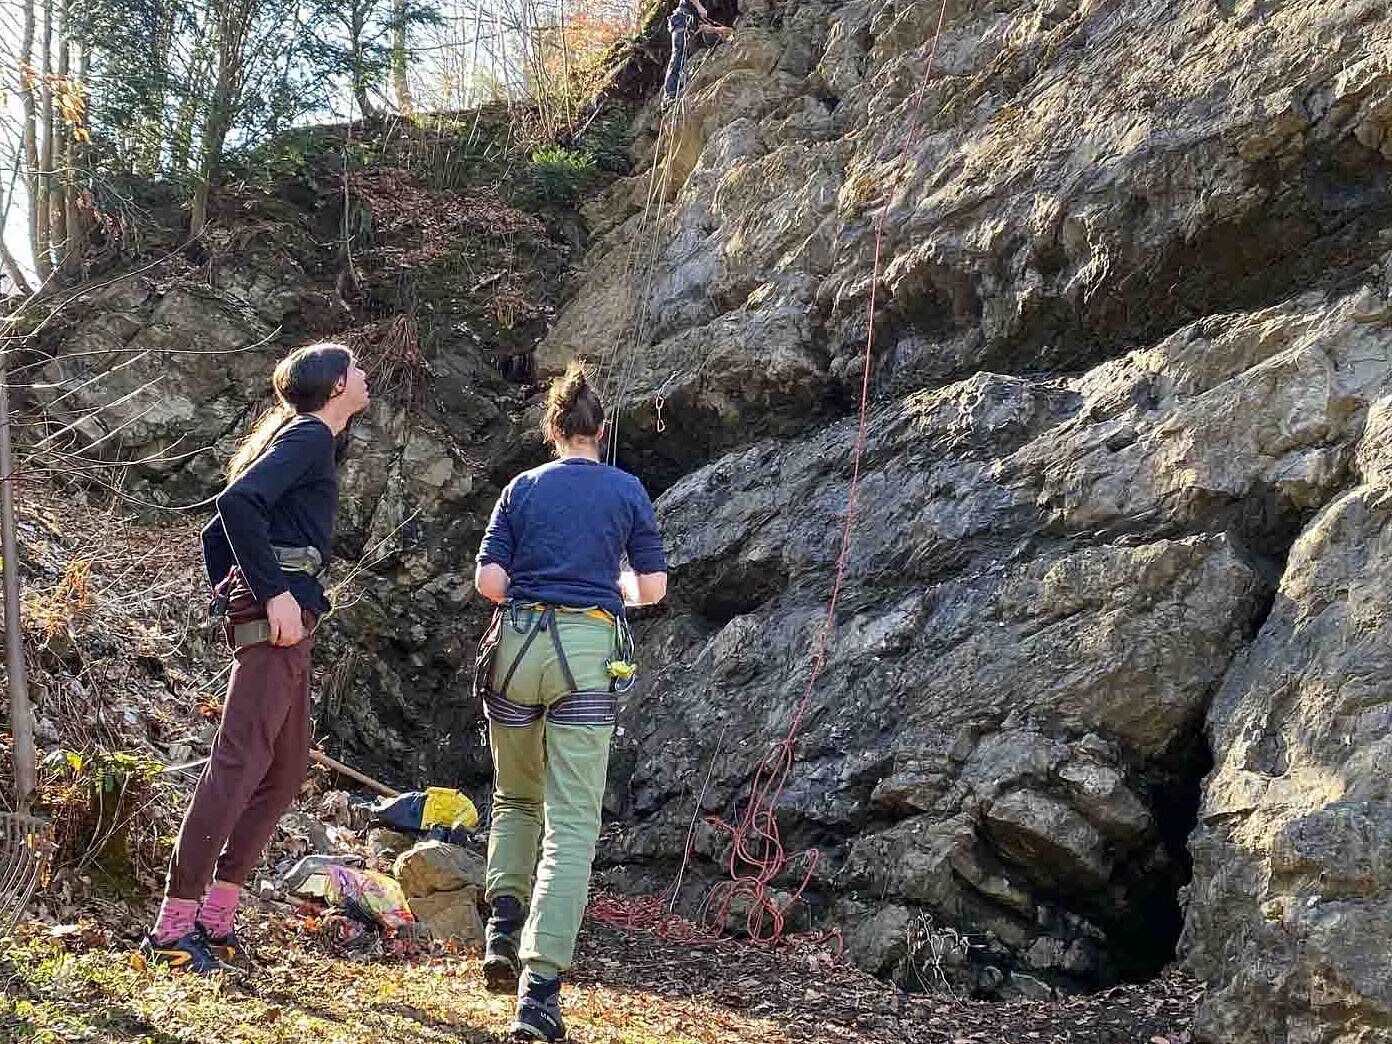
388,844
451,915
877,939
437,866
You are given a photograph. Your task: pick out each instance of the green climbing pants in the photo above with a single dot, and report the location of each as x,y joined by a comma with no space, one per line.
548,779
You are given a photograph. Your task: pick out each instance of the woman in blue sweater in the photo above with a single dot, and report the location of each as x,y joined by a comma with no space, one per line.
264,552
552,557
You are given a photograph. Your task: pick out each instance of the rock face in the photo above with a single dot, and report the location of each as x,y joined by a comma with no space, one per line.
1049,580
1081,176
1291,904
1132,325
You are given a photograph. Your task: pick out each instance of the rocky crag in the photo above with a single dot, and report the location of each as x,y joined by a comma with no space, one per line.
1116,553
1110,671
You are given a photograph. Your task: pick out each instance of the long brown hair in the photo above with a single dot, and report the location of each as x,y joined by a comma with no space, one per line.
573,408
303,382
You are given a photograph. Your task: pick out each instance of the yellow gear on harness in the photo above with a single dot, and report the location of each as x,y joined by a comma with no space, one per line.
621,670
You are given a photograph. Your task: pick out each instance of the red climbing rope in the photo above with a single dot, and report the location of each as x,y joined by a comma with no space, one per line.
756,855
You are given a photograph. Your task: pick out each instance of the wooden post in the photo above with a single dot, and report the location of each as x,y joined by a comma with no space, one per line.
21,720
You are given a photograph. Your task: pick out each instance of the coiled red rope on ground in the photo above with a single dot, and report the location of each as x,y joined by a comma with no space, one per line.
756,856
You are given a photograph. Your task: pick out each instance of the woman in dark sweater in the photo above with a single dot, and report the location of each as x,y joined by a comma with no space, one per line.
264,551
552,556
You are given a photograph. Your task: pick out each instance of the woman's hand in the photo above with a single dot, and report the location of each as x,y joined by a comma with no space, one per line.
642,588
286,619
492,581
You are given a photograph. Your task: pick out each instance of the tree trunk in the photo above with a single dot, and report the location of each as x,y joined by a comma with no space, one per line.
357,28
360,96
233,19
31,149
21,715
400,84
150,142
565,67
214,134
475,93
13,269
186,120
74,219
47,182
63,173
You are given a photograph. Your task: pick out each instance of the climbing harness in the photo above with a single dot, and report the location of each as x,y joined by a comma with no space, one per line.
756,856
291,559
578,706
245,622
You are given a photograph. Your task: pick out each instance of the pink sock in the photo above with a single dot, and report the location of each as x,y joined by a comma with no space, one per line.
176,918
219,909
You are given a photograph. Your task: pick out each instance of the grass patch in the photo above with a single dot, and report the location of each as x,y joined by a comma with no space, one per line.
302,995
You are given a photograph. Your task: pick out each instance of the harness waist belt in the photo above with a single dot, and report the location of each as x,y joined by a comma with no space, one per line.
594,610
299,559
253,632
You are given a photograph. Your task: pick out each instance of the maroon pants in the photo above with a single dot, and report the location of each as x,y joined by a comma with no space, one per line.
255,770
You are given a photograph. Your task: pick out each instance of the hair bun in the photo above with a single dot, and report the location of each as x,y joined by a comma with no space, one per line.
573,385
572,405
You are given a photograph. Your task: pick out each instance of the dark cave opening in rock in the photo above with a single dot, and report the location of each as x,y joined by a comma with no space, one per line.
1146,935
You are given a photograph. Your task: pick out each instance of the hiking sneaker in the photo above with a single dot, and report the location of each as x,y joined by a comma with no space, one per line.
538,1009
500,964
228,949
189,952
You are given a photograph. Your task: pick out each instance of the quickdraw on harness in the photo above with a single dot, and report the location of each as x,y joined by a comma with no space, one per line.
578,706
245,622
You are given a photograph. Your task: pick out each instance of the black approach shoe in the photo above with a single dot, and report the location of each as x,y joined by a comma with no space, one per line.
500,964
538,1009
228,949
189,952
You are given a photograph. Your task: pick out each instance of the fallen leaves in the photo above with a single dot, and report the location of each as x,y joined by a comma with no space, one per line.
74,983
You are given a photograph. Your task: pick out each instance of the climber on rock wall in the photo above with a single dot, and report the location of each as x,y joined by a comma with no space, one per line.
265,551
688,23
550,668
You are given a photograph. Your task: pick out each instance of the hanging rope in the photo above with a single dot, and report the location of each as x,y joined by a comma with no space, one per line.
618,369
756,855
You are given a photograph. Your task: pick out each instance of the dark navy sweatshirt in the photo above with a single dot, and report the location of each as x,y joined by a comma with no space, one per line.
561,530
287,497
